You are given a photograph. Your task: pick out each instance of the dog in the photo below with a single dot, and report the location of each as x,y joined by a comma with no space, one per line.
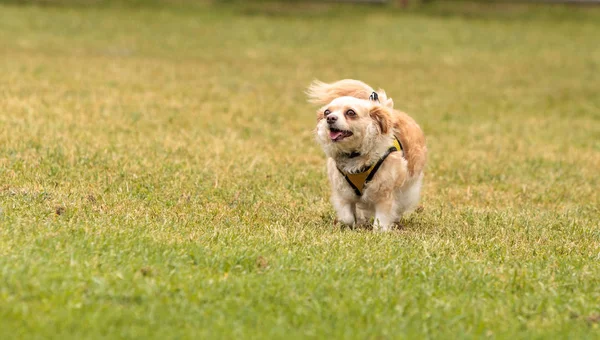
376,155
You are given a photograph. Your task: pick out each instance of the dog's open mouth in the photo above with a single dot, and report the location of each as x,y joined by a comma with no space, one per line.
337,135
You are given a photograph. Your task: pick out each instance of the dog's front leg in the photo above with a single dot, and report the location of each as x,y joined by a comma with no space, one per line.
346,210
384,215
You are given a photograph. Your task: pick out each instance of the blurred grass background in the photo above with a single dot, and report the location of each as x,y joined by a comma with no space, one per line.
159,177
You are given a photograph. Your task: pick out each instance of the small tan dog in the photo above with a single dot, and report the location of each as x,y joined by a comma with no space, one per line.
376,155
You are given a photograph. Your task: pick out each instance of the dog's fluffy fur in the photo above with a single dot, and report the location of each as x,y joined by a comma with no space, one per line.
368,129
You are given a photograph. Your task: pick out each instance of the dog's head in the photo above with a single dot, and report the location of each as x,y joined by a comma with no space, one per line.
349,124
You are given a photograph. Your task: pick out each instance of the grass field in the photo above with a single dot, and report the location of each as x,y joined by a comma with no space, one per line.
159,177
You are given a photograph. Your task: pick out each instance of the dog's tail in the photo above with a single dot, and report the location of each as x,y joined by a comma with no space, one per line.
322,93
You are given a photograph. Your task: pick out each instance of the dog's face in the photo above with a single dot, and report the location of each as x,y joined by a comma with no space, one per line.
347,124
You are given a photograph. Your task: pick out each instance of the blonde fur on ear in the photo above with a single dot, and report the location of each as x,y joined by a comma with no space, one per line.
322,93
382,115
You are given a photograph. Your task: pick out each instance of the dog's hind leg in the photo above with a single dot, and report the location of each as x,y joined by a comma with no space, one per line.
364,213
408,199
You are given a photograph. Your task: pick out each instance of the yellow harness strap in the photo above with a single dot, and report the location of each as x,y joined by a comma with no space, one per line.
358,180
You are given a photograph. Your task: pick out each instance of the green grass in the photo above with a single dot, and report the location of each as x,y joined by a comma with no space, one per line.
159,177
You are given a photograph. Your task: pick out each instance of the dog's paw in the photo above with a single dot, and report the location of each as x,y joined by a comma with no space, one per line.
383,228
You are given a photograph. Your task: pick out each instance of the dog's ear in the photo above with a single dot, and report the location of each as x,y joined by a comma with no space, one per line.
382,116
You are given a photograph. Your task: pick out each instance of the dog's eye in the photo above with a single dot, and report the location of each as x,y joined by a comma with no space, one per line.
350,113
326,112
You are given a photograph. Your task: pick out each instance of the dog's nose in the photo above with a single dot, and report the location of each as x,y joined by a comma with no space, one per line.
331,119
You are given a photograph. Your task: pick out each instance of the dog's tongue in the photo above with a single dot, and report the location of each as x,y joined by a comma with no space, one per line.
335,134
